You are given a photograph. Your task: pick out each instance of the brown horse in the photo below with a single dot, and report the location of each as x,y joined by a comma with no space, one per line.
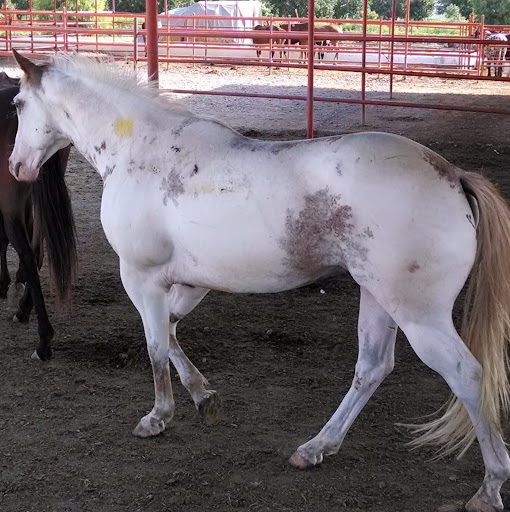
265,40
320,38
5,81
31,213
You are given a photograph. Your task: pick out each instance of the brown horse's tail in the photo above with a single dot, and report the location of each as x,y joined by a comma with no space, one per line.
55,222
486,322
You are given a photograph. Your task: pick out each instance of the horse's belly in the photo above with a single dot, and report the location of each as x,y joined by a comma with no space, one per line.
236,273
241,244
236,260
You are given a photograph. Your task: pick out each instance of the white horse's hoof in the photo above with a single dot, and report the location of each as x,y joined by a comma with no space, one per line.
209,408
298,461
475,504
34,355
149,427
15,319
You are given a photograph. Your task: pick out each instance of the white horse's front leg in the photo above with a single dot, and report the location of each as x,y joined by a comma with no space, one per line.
151,302
183,299
377,333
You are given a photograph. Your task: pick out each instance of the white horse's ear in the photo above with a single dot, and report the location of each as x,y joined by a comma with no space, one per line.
33,71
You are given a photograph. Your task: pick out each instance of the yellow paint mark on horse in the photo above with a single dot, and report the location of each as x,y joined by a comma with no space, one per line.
123,127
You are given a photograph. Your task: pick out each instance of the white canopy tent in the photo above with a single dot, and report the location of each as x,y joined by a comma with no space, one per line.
237,11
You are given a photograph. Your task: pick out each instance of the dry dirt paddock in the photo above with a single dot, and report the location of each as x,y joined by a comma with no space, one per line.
281,363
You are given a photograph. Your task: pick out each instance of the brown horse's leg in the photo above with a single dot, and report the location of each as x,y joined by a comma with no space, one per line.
26,302
21,278
17,233
5,278
25,306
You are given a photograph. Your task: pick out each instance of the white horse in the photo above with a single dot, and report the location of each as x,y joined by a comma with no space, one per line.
191,205
495,56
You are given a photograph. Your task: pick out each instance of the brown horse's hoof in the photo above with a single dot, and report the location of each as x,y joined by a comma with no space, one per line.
42,355
21,317
299,462
475,504
209,408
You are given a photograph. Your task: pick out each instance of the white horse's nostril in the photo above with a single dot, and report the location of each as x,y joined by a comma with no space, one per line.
16,169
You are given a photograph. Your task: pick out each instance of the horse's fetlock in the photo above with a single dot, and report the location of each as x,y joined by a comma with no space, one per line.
163,412
500,474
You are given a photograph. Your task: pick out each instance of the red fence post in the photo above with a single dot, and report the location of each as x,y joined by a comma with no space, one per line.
135,39
311,43
364,62
481,47
270,43
64,26
392,45
151,26
408,15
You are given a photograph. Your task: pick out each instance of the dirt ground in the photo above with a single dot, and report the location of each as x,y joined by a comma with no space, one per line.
281,363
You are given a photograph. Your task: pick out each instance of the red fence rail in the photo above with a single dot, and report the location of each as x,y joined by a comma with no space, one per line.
387,47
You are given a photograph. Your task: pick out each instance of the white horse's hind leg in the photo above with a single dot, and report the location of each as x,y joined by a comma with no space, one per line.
439,346
183,299
376,332
151,302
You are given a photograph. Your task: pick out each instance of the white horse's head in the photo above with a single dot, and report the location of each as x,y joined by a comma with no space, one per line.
37,138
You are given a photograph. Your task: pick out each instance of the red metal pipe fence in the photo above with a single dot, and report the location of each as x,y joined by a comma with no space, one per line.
311,58
382,47
151,22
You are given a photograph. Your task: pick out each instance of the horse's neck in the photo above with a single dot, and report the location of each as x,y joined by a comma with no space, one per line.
100,125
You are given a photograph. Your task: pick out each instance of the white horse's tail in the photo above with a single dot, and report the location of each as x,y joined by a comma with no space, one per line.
485,324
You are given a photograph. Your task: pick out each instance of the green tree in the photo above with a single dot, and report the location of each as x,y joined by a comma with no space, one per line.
496,12
289,7
420,9
17,4
452,13
323,8
83,5
139,5
133,5
464,6
349,9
